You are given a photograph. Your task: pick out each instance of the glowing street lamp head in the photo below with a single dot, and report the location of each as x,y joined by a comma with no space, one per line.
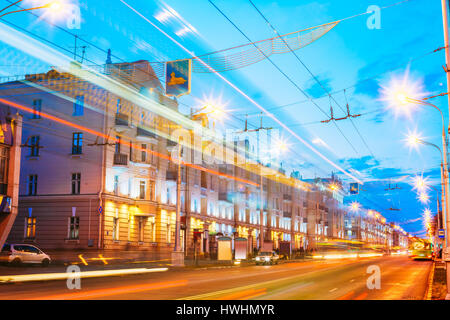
420,183
334,187
399,92
424,197
355,206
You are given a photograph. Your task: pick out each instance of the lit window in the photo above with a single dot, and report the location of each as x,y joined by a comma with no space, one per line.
32,184
37,108
77,143
74,226
78,106
30,228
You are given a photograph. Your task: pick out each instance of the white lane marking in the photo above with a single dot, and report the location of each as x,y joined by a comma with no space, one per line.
333,290
83,274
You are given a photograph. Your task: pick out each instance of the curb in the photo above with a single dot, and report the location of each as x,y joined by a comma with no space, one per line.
429,292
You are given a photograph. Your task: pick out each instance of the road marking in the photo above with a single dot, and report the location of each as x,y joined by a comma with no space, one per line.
82,259
84,274
114,291
333,290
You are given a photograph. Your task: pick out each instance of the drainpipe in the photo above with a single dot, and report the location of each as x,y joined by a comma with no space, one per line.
102,182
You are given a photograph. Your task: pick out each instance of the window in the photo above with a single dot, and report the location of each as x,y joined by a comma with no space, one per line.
153,229
141,229
74,227
142,190
76,183
37,107
34,146
117,144
77,143
116,185
144,152
30,227
32,184
169,233
115,231
78,106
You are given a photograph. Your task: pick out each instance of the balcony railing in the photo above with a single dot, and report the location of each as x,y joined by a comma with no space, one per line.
121,121
120,159
143,134
171,175
226,196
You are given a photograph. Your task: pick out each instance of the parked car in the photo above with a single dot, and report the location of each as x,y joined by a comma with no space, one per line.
267,258
17,254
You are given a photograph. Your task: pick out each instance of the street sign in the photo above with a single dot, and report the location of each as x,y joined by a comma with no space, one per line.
441,233
100,210
354,188
178,77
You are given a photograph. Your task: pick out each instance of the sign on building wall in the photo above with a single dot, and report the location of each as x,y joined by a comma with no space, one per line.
354,188
178,77
6,127
5,204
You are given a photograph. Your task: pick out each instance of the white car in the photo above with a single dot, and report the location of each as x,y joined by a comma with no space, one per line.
267,258
23,253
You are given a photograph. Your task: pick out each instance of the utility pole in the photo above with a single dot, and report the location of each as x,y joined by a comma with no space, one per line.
447,65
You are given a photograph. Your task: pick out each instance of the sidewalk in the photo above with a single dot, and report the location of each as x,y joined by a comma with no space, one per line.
439,283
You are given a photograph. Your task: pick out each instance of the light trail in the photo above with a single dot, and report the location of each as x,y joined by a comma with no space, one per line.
128,144
92,294
83,274
270,115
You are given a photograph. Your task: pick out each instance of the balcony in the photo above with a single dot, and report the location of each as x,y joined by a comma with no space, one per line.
287,197
121,122
226,196
286,214
145,135
120,159
171,175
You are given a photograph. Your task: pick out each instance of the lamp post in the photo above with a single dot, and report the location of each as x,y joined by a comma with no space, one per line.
444,163
443,175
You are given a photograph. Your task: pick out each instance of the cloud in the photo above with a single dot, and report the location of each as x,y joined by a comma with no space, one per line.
315,90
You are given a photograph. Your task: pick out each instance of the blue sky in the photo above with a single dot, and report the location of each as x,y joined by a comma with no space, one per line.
349,53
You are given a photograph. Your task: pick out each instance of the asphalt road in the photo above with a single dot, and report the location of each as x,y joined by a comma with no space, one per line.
400,278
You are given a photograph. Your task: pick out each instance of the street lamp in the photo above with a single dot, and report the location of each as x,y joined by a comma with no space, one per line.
415,140
53,6
403,100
